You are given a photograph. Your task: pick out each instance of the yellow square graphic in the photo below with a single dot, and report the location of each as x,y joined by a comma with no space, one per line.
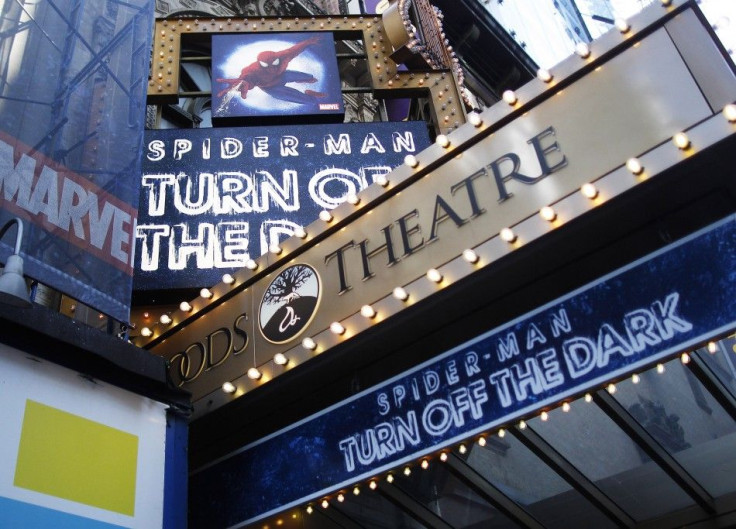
70,457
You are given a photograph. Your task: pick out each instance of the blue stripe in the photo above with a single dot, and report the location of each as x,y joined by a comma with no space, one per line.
19,514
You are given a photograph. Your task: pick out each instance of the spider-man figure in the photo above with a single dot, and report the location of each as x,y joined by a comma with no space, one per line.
269,73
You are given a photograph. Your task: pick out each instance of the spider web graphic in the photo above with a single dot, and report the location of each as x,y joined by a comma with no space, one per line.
227,98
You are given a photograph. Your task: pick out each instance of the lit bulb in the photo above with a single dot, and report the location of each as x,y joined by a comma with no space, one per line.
470,256
660,368
425,464
356,490
544,75
390,478
300,232
228,387
501,433
666,3
588,397
583,50
482,441
712,347
611,388
634,165
522,424
411,160
622,25
685,358
146,332
250,264
443,456
589,191
254,373
434,275
184,306
353,199
372,484
325,504
165,319
206,293
508,235
400,294
443,141
309,509
325,215
340,497
565,407
381,180
462,448
309,344
681,140
275,249
548,214
228,279
367,311
407,471
475,119
337,328
729,112
635,379
544,415
280,359
510,97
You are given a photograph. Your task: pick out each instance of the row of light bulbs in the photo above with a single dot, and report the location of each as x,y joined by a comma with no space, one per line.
482,440
548,213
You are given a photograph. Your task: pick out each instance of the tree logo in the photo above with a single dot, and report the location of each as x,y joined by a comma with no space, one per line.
289,303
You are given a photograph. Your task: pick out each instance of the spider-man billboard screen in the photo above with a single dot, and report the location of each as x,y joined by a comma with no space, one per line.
286,76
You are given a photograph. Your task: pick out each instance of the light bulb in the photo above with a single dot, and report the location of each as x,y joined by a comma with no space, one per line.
566,407
372,484
634,165
522,424
184,306
510,97
300,232
470,256
548,214
635,379
337,328
508,235
685,358
381,180
356,490
475,119
325,504
443,141
589,191
482,441
228,279
424,464
611,388
250,264
544,415
309,344
583,50
681,140
325,215
353,199
407,471
411,160
544,75
400,294
275,249
228,387
712,347
254,373
390,478
622,25
206,293
340,497
660,368
501,433
165,319
434,275
146,332
280,359
462,448
729,112
443,456
367,311
588,397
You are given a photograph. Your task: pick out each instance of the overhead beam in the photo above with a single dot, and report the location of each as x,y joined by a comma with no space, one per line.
490,493
413,508
544,451
653,449
713,384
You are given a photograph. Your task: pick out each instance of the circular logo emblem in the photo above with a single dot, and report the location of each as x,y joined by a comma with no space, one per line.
289,303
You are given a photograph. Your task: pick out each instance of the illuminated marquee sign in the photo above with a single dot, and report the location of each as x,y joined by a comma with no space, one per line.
466,192
212,199
621,323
